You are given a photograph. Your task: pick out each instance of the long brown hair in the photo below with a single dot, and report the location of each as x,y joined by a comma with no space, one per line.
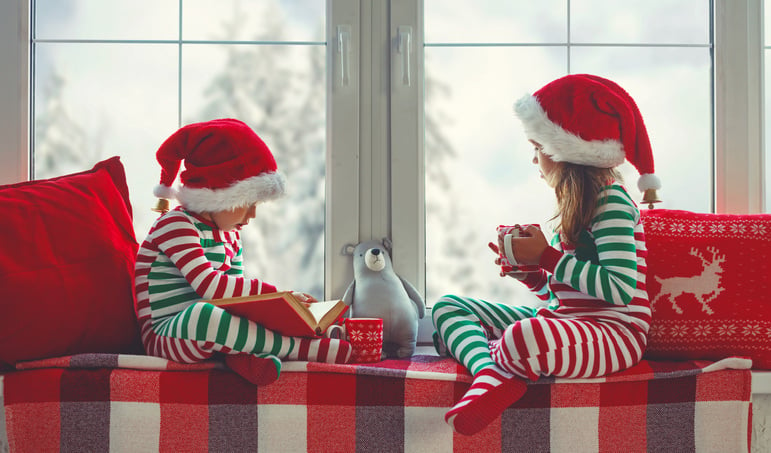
577,188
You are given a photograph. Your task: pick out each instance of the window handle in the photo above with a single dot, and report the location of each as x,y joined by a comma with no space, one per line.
404,48
344,51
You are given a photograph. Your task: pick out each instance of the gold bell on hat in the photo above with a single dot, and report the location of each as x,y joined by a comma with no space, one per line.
162,206
650,197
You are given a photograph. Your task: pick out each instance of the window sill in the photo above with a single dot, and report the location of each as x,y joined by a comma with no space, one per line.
761,382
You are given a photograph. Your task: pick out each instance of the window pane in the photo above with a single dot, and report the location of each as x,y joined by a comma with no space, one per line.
767,126
280,92
640,21
767,23
478,163
91,103
767,103
479,171
95,100
251,20
672,88
497,21
100,19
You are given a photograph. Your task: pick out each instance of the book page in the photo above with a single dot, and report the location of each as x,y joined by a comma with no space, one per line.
318,309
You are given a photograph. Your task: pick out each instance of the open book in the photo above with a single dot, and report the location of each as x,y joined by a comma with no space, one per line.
283,313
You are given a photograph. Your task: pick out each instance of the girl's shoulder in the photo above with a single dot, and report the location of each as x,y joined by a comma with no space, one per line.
615,197
615,192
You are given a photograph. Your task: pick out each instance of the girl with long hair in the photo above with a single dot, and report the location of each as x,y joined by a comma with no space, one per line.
591,275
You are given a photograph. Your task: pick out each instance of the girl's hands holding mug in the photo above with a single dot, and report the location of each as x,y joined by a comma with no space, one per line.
517,275
529,247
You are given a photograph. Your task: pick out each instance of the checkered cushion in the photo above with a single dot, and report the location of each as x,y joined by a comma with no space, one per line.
394,405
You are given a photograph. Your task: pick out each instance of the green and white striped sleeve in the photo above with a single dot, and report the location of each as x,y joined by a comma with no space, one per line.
614,277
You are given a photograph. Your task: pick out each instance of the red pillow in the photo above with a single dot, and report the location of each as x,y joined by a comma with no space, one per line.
708,282
67,266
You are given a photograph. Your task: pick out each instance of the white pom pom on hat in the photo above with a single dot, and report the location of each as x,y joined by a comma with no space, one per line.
588,120
227,166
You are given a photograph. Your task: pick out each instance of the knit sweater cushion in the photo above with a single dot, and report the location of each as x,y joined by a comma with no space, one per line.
708,283
66,266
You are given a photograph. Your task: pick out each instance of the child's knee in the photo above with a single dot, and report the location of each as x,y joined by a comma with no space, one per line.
449,300
441,305
203,316
514,338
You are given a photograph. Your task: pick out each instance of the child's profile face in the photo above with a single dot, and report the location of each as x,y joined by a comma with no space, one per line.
232,219
545,163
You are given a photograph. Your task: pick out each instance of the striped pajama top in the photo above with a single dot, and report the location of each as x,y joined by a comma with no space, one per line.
183,260
603,277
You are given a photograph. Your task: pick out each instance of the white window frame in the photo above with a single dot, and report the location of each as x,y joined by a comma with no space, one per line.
739,118
347,157
363,147
14,91
375,164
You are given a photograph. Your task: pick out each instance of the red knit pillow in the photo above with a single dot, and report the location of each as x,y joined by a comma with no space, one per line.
708,282
67,266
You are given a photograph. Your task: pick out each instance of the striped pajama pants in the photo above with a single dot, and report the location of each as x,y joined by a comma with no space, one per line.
479,334
202,329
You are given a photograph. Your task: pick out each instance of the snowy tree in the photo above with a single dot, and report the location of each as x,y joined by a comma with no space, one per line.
451,239
285,103
448,245
279,92
62,145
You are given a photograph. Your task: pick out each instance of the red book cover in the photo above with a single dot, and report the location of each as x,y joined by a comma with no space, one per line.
284,313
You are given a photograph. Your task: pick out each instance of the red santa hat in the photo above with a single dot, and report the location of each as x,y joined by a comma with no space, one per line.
589,120
226,166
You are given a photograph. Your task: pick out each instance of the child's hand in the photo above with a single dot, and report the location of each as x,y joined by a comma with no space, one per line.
305,298
517,275
529,248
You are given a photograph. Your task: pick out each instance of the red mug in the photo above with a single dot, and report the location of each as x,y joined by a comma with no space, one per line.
365,336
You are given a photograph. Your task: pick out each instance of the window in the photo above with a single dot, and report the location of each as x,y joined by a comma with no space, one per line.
482,56
398,110
111,78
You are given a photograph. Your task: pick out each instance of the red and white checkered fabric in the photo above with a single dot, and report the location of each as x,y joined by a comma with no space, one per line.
81,403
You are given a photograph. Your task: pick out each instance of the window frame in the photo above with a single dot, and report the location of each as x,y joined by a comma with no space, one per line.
375,144
14,91
738,112
346,154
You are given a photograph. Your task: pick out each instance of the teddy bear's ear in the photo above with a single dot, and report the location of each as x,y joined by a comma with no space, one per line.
388,244
347,249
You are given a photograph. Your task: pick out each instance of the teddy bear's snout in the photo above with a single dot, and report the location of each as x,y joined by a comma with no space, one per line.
374,260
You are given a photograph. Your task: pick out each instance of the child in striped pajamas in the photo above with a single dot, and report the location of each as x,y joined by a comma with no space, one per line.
591,275
194,253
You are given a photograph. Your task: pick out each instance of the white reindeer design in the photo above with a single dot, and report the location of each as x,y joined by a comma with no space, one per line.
705,286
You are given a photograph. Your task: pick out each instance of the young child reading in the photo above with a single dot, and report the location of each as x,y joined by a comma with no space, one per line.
193,253
593,272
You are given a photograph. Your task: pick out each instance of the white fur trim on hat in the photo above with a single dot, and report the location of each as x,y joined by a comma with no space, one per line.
263,187
564,146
